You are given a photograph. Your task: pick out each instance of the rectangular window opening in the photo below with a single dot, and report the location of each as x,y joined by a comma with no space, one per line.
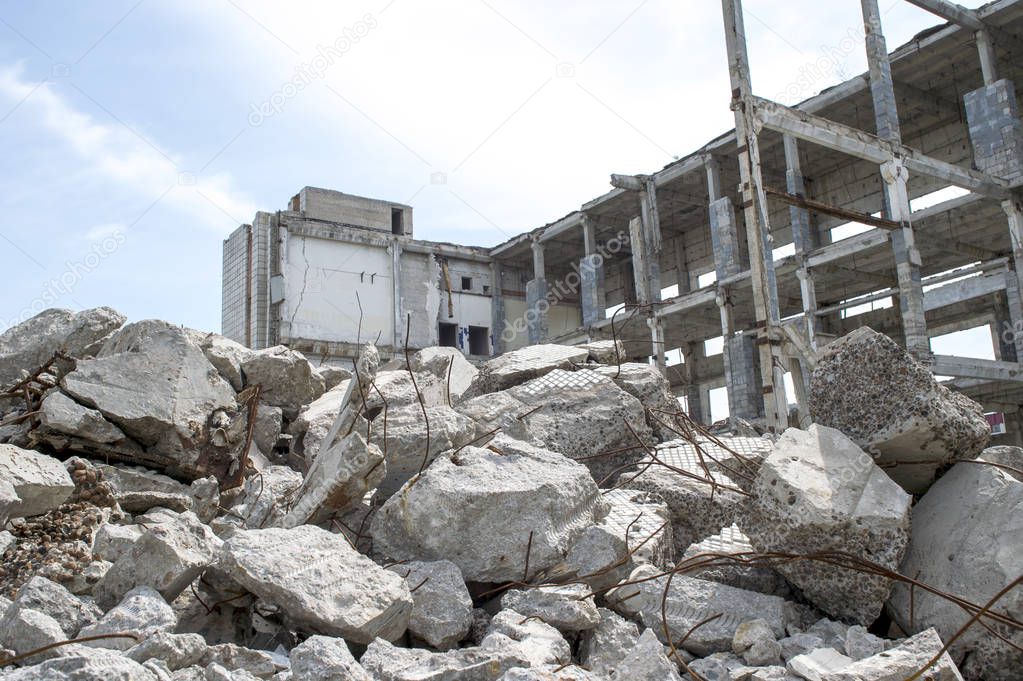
397,221
466,283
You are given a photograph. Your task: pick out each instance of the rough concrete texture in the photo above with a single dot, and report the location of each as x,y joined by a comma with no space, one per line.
602,647
322,657
339,478
530,639
23,629
818,665
583,415
441,605
688,602
227,357
972,519
736,457
448,365
732,541
29,345
498,412
647,384
319,581
405,442
519,366
289,381
80,666
142,611
566,608
905,659
386,662
314,421
872,390
61,414
481,510
604,351
160,390
41,482
646,661
70,612
635,530
167,557
819,492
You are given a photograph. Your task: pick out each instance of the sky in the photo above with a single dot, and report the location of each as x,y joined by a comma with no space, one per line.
135,135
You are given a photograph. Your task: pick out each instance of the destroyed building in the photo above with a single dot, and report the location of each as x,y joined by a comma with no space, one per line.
890,200
177,505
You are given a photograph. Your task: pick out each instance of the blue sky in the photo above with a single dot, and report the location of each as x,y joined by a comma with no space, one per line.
137,134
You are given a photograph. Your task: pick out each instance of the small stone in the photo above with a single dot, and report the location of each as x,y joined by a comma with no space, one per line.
566,608
819,665
320,658
861,644
176,650
441,605
755,642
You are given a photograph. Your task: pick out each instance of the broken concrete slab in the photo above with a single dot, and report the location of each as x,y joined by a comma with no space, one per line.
904,660
268,427
264,499
80,666
689,601
757,644
177,651
396,388
406,440
314,421
333,376
568,607
731,541
646,661
498,412
142,611
289,381
450,366
635,530
819,665
482,510
319,582
23,629
737,457
519,366
30,344
647,384
50,598
338,480
227,357
585,416
604,646
61,414
819,492
868,387
40,481
604,351
527,638
972,518
322,657
167,557
386,662
173,419
441,605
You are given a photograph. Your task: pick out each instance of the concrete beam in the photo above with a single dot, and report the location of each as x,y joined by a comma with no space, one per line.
860,144
970,367
950,11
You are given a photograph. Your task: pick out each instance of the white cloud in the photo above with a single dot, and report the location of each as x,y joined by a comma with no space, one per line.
123,156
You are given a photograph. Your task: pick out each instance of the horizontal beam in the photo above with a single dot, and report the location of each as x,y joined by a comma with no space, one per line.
569,222
949,11
969,367
828,209
849,140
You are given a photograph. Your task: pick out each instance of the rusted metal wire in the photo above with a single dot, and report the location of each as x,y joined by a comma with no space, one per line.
83,639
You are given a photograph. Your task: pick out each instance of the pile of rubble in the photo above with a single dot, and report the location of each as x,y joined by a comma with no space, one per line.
177,507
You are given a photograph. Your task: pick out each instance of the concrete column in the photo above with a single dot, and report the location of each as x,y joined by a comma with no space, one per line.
758,228
907,261
537,305
591,275
397,308
724,237
497,314
651,238
882,90
1014,277
692,353
639,261
742,373
988,60
657,343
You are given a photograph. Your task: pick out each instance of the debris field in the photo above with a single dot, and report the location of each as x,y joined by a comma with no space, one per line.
177,507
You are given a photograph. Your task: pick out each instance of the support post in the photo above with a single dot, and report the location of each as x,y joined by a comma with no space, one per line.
536,298
397,308
988,59
639,261
803,237
765,293
651,237
497,313
591,277
896,196
692,353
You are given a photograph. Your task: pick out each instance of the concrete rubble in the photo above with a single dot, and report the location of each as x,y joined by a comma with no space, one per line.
200,511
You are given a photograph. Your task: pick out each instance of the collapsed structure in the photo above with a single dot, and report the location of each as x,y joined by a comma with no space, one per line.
890,200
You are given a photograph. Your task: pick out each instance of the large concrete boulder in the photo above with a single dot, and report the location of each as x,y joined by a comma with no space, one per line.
406,439
168,557
313,422
647,384
484,509
450,366
40,481
227,356
819,492
872,390
82,666
442,607
688,601
967,532
61,414
585,416
27,346
289,381
320,582
159,388
519,366
320,658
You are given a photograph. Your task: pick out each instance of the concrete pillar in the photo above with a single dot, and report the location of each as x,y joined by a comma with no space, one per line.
657,343
804,237
758,228
1014,276
651,238
882,90
692,354
591,276
988,60
537,305
742,374
397,308
639,261
497,314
